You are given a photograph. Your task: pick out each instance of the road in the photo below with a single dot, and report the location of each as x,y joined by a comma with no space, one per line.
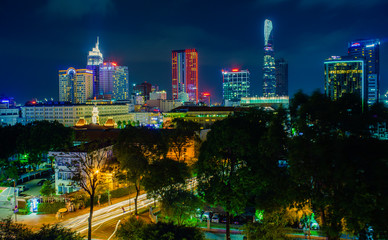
107,217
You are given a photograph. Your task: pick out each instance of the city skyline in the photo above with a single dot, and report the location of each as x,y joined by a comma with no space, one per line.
306,33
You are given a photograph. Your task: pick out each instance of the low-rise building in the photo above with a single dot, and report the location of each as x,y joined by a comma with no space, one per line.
266,102
68,114
203,115
64,174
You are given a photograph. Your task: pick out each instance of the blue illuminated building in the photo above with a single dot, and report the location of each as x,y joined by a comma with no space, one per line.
368,50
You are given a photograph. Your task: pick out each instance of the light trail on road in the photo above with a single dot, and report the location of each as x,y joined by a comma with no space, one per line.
80,223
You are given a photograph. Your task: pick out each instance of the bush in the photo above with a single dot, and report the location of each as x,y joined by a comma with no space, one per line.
24,210
137,230
12,230
50,207
121,192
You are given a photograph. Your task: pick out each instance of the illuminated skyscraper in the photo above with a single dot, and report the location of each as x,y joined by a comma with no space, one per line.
269,74
369,51
281,67
235,85
345,75
185,74
75,85
113,81
94,60
120,83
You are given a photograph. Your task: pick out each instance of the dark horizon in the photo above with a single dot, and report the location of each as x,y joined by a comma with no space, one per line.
42,37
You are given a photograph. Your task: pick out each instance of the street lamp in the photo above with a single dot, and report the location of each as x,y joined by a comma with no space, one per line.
14,197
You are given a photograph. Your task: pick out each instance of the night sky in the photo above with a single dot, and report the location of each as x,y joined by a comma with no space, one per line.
38,38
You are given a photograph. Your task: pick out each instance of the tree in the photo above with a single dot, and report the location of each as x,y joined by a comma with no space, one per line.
180,205
49,232
179,137
166,181
47,189
10,230
222,167
42,136
333,158
238,164
119,124
138,230
164,175
16,231
135,149
271,227
87,167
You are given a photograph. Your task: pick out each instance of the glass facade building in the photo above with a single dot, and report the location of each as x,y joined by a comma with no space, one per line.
235,85
368,50
281,67
94,60
185,74
269,73
113,81
75,85
345,76
120,83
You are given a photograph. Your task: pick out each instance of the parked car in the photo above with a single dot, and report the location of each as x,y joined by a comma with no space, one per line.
215,218
22,188
40,183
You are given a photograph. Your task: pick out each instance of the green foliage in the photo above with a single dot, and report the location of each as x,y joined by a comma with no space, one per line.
16,231
333,159
179,137
25,210
135,149
164,175
47,189
238,163
53,207
56,232
180,206
138,230
271,227
33,139
121,192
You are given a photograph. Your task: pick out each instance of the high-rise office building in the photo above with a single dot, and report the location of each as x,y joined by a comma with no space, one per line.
185,74
113,81
345,75
369,51
94,60
75,85
120,83
235,85
281,67
269,74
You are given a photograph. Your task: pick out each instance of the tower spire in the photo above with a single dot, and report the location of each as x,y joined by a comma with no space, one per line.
98,42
